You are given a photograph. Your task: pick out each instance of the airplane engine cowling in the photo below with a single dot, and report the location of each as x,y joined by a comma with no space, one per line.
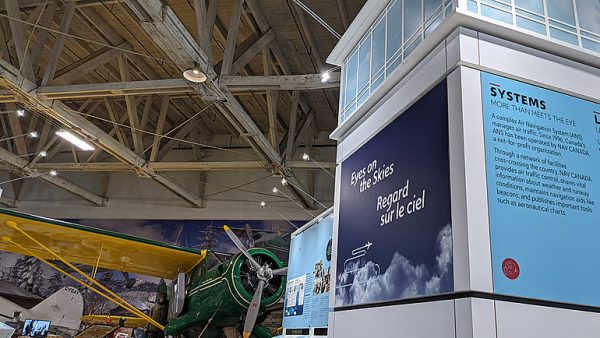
246,279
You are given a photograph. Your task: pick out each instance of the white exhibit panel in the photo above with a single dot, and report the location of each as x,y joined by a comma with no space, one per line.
306,302
424,320
529,321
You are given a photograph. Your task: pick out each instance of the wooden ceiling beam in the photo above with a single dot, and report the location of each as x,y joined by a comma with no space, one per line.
249,53
313,51
59,41
264,26
89,63
20,166
343,14
42,34
279,82
85,129
132,113
178,166
110,89
18,35
292,125
232,33
169,34
164,106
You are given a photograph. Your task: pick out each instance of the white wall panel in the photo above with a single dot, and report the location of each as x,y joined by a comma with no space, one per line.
424,320
529,321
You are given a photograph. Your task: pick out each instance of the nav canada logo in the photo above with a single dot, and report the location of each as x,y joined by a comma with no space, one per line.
503,94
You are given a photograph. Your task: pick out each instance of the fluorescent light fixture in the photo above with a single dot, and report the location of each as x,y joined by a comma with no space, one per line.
33,134
275,190
20,112
262,204
43,153
305,157
325,77
53,173
76,141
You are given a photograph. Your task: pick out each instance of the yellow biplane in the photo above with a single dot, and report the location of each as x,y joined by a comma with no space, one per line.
201,297
68,243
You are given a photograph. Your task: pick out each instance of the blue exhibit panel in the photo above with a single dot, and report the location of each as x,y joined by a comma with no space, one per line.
307,290
543,176
395,234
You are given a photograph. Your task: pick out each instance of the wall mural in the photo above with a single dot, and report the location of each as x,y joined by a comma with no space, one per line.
395,233
40,280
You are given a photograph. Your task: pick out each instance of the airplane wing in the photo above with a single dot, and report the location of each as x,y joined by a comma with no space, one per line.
95,247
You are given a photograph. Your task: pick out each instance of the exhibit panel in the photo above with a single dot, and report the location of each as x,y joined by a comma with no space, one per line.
394,233
425,320
543,155
526,321
306,304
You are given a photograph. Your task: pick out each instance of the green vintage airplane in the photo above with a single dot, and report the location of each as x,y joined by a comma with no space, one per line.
205,296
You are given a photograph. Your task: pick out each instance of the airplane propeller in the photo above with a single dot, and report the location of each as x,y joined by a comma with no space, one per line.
264,274
241,247
252,313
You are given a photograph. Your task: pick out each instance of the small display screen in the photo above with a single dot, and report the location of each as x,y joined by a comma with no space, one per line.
36,328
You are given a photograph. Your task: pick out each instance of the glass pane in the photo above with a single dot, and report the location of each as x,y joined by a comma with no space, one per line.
430,6
495,13
343,86
531,15
562,26
390,67
378,47
562,10
588,13
434,24
351,78
412,47
376,82
364,66
591,45
412,17
363,97
472,6
531,25
536,6
394,29
498,4
564,36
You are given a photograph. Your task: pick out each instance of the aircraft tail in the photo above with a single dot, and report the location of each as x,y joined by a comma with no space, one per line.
64,308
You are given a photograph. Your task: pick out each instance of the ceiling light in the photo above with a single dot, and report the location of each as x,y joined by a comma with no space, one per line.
283,181
76,141
325,77
275,190
194,74
33,134
43,153
305,157
20,112
262,204
53,173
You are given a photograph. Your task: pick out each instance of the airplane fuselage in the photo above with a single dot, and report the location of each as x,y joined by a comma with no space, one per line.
221,296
